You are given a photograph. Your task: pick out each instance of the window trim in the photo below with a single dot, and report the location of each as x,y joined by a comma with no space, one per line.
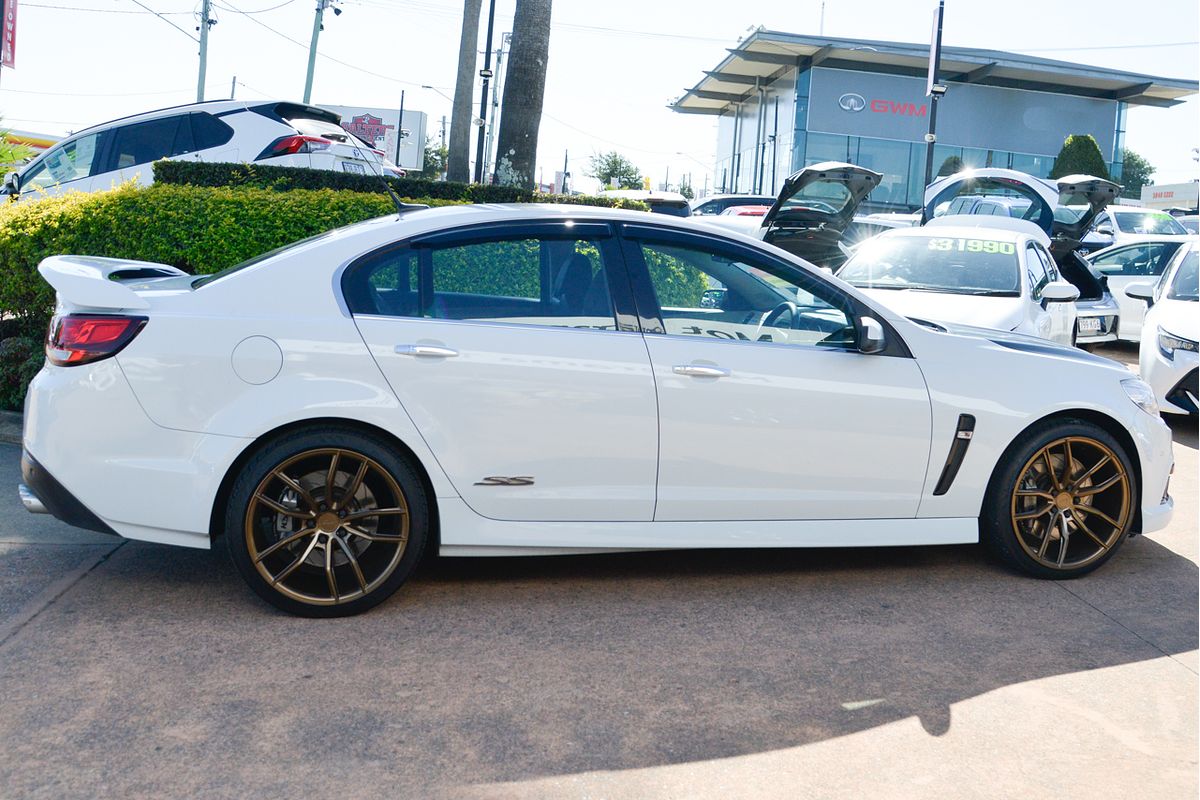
611,261
632,234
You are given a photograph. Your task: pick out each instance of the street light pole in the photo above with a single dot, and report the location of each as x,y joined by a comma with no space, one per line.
486,74
933,89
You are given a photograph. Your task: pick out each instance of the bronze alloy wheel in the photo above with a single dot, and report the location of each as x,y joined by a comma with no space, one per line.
327,526
1071,503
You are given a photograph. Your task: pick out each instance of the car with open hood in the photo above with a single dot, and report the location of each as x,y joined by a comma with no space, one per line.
1062,208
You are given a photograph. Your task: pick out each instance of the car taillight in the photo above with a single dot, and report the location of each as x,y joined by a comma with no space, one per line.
82,338
290,145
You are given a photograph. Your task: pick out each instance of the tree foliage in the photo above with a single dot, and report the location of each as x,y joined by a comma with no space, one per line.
950,166
612,167
1136,173
1080,155
11,154
685,188
434,163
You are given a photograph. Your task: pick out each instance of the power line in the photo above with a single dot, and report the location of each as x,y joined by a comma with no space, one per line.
1107,47
164,19
107,10
94,94
264,10
305,47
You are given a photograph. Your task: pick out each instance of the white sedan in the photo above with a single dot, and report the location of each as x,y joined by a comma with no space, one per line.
1168,359
964,271
513,380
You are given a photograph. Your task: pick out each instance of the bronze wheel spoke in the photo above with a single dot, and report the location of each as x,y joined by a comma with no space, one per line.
1092,510
1099,487
1045,539
1050,469
362,581
1091,471
290,568
1083,527
1066,480
374,512
329,576
330,478
281,509
1034,493
297,488
284,542
373,537
1024,515
352,489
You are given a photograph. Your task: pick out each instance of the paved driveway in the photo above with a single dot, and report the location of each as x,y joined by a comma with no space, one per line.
134,670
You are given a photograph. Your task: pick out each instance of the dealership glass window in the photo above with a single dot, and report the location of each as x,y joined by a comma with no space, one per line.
830,147
1037,166
891,159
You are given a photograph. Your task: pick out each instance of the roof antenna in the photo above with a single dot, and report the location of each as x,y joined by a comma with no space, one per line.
377,170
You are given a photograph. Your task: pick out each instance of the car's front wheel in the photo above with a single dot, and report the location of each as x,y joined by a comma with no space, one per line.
326,523
1061,501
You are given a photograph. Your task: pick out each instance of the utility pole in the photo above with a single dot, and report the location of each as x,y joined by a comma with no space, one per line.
566,181
443,131
318,26
495,118
206,22
486,74
933,89
233,87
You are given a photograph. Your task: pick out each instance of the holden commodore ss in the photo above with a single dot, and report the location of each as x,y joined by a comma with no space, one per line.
516,380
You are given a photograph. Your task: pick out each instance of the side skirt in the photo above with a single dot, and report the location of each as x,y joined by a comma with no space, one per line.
463,532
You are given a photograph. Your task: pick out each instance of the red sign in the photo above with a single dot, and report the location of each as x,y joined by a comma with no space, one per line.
8,45
894,107
369,128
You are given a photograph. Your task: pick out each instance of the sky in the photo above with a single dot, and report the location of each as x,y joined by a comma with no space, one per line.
614,65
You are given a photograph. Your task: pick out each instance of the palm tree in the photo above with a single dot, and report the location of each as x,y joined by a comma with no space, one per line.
458,162
516,144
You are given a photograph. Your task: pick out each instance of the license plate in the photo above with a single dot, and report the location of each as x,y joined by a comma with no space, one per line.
1090,324
357,169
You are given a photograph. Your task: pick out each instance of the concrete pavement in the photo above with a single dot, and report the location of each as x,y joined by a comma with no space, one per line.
148,671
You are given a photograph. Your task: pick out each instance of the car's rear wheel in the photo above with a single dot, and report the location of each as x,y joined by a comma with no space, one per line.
326,523
1061,502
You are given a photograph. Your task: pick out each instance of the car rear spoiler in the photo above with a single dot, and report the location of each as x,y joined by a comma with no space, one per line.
92,282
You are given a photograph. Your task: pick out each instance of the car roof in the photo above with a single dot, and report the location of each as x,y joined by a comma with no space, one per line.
209,106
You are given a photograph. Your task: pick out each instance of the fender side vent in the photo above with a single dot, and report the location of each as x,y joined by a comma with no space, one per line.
958,450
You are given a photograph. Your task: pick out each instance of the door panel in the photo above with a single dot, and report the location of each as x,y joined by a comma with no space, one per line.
789,433
767,411
504,352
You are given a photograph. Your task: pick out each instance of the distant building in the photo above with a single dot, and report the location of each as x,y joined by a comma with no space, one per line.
785,101
1184,197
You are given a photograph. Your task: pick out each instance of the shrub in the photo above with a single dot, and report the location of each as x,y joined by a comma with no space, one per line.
1080,155
283,179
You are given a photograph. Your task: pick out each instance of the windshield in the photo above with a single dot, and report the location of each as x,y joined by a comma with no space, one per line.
1147,222
1186,283
957,265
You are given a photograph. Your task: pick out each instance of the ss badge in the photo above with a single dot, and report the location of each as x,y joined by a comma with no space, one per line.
500,480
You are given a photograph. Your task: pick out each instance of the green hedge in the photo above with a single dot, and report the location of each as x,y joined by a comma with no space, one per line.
262,176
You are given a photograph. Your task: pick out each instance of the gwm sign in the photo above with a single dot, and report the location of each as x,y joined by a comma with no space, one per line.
854,103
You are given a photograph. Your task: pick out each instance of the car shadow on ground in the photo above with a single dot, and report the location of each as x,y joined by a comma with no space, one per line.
498,670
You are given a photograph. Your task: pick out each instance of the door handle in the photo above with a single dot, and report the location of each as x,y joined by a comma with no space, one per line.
700,371
425,351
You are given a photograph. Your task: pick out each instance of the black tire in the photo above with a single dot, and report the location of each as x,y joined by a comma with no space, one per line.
1005,500
385,477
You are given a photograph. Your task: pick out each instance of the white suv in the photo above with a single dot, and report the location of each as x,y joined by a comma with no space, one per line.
273,132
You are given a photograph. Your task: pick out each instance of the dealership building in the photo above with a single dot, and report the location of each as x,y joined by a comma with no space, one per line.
785,101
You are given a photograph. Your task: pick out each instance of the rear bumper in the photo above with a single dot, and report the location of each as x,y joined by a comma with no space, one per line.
41,493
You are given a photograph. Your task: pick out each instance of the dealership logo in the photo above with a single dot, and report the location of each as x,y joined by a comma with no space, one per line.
852,102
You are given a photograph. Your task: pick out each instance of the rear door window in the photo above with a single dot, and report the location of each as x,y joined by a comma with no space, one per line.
144,142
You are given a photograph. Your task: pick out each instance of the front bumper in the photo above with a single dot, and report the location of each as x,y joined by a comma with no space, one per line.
41,493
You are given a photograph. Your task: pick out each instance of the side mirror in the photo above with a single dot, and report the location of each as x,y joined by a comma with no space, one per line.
1104,230
871,338
1060,292
12,183
1141,291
